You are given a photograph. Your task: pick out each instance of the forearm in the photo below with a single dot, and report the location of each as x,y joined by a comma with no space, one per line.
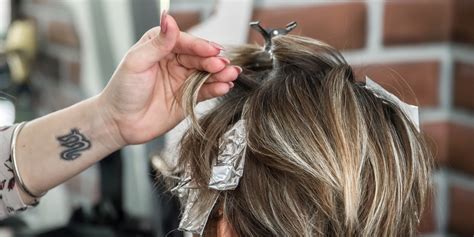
54,148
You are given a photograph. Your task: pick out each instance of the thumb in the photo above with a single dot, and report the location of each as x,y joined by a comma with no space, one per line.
154,45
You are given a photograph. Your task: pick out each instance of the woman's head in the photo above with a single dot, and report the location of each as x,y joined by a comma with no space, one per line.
325,155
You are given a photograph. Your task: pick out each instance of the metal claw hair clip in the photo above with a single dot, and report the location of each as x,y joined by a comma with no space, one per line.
269,33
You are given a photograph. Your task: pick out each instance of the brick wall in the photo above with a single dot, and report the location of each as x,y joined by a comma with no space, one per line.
56,84
421,50
56,75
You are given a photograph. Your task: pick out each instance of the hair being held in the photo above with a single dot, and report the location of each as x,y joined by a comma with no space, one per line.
325,156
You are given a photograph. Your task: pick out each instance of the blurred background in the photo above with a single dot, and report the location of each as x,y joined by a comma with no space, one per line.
55,53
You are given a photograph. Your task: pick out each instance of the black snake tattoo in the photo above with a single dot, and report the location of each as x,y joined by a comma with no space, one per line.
75,142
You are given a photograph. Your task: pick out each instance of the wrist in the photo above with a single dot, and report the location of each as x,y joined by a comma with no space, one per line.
112,136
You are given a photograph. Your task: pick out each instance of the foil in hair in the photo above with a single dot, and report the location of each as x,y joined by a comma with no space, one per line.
410,110
194,219
227,169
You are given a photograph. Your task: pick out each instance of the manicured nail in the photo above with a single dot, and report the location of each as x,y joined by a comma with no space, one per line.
163,23
216,45
231,84
224,59
239,69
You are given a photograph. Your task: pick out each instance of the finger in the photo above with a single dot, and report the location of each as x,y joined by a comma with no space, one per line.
150,52
155,31
230,73
192,45
212,90
210,64
150,34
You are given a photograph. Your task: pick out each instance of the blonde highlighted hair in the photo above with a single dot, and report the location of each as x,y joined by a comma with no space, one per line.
325,155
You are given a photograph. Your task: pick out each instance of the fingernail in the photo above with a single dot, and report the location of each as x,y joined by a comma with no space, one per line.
239,69
231,84
216,45
225,60
163,23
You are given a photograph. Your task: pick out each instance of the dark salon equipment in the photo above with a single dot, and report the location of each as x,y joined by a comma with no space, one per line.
107,218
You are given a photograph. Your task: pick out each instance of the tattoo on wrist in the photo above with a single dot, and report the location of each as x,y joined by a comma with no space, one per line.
75,143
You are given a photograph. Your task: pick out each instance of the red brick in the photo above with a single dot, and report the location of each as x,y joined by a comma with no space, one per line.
48,66
464,86
187,19
463,30
63,33
413,82
451,144
417,21
461,148
427,221
74,72
436,135
461,218
342,25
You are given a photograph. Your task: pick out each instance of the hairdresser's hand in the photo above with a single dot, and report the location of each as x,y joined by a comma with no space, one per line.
140,97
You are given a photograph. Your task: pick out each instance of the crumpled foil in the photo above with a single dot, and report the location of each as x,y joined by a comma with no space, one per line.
227,169
410,110
194,219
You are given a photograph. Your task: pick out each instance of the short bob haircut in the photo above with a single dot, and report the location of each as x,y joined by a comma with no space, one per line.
325,155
